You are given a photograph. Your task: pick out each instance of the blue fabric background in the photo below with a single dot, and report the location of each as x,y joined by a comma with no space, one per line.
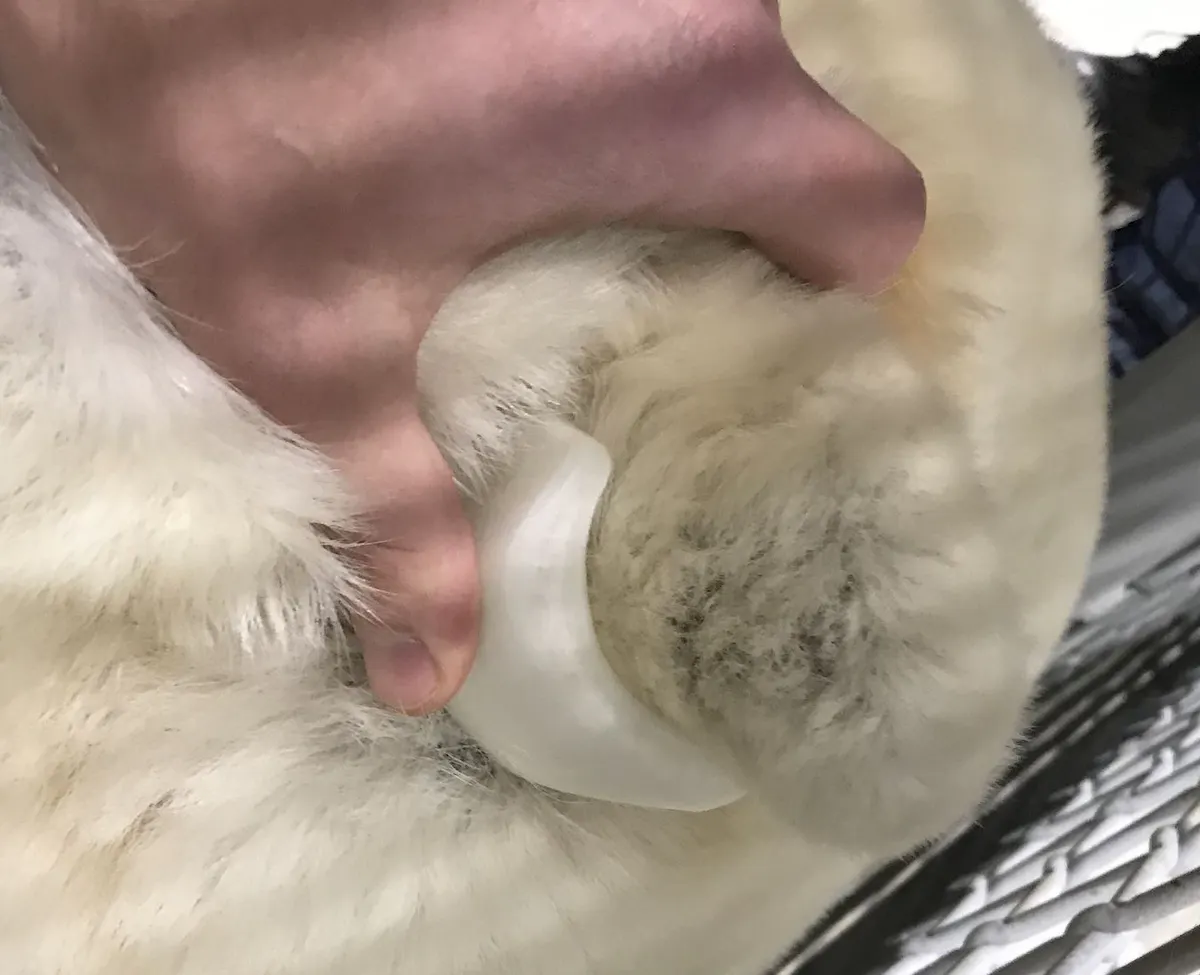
1154,271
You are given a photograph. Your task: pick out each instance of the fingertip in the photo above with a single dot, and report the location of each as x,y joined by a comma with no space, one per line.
419,634
417,666
401,672
415,674
894,210
861,234
847,207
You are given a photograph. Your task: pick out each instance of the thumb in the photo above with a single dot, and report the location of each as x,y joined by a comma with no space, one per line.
829,199
418,553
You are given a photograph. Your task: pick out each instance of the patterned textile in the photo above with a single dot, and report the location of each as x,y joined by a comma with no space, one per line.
1154,270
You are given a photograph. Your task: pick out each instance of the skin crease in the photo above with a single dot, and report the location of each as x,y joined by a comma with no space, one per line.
303,182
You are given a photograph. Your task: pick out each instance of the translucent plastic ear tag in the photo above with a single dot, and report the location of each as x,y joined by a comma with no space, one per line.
541,698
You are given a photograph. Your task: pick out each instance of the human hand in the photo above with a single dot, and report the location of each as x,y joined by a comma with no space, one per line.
302,183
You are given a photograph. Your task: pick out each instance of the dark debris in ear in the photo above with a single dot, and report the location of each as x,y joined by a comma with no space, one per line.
686,623
805,658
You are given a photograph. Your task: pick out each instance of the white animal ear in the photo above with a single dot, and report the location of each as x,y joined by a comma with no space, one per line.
541,698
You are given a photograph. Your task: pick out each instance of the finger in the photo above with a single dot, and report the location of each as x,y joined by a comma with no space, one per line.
823,194
860,212
419,640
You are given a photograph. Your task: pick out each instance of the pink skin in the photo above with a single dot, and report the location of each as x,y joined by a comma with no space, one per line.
303,182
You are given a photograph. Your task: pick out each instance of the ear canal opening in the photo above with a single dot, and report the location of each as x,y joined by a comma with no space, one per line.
542,699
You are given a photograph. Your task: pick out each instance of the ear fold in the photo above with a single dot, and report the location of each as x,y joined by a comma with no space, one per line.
798,564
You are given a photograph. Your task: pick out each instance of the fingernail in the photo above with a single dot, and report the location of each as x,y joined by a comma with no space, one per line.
415,671
402,673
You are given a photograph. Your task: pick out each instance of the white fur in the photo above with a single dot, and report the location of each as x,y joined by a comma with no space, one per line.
843,537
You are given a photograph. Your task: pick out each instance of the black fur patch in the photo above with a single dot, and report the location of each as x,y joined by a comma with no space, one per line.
1147,116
